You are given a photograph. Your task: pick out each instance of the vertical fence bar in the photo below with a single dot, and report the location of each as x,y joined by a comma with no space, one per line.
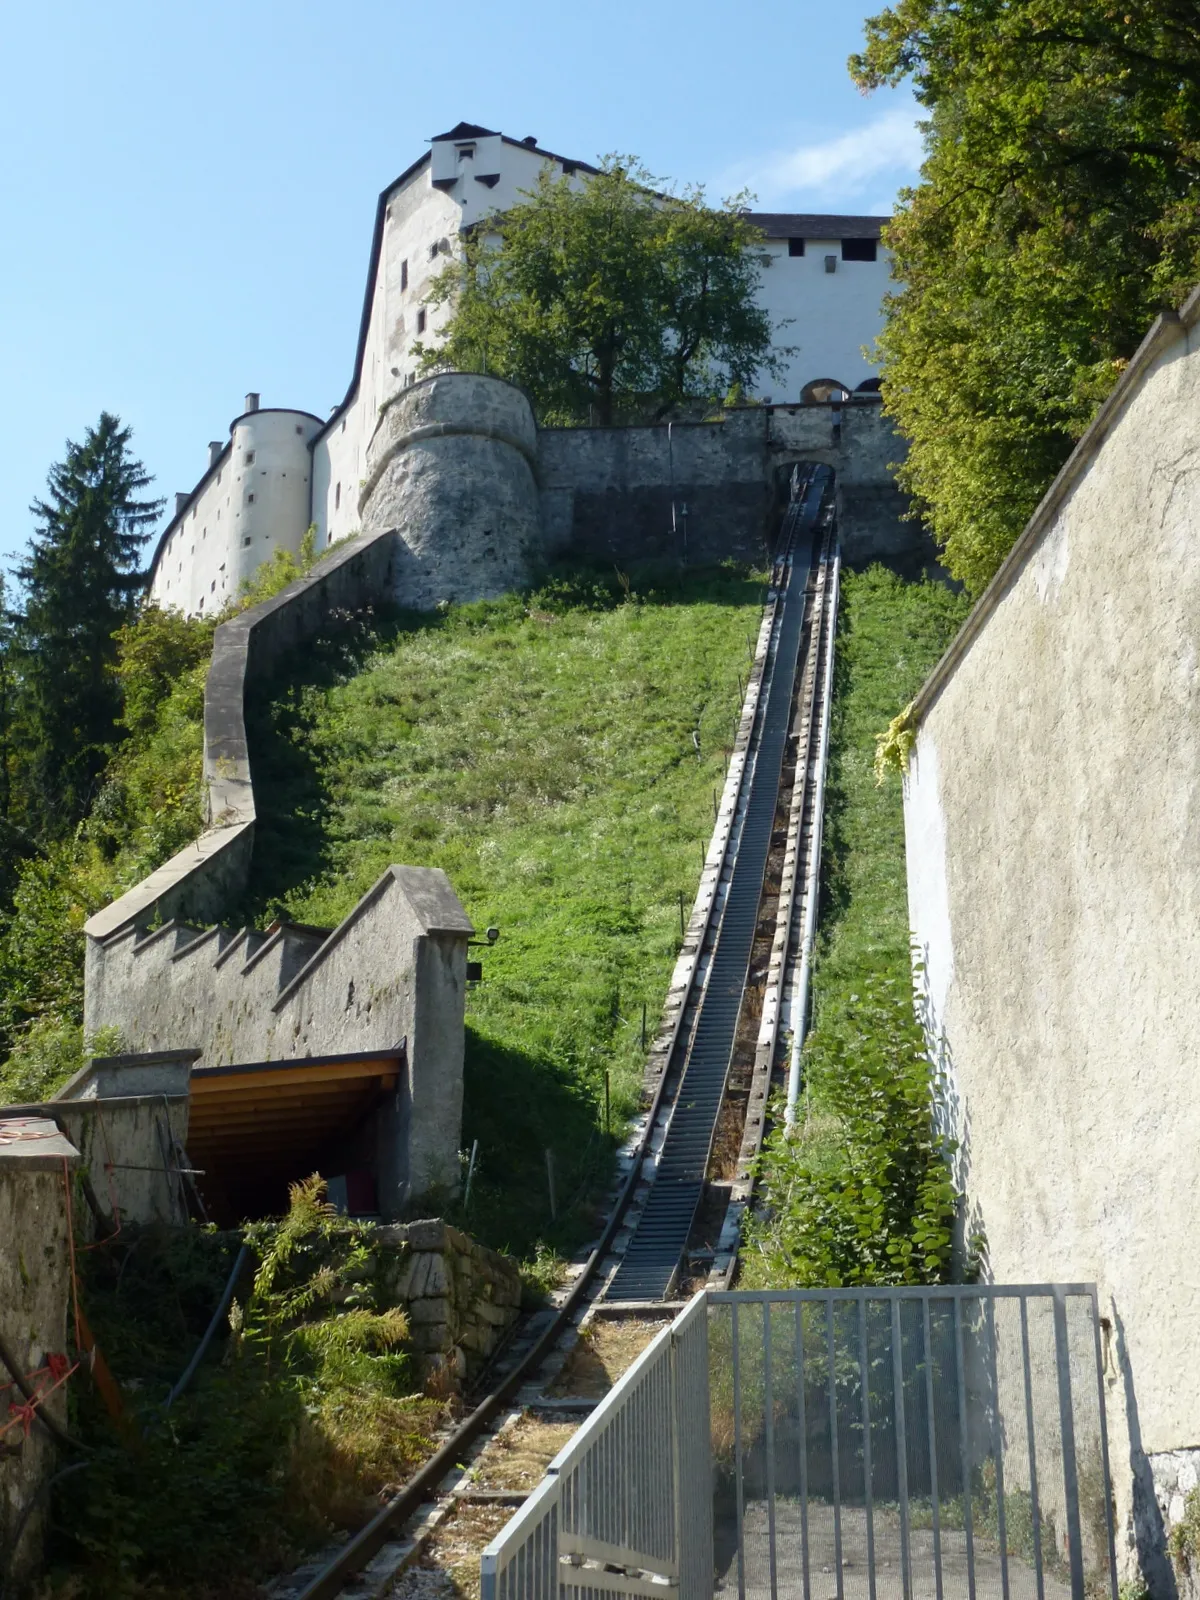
1034,1504
803,1426
1067,1423
997,1446
964,1446
833,1451
737,1455
769,1429
1108,1509
902,1452
864,1368
927,1348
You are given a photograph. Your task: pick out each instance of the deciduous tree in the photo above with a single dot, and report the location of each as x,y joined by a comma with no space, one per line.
606,301
1058,211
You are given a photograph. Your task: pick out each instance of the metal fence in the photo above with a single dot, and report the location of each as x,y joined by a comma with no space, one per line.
626,1506
911,1443
883,1444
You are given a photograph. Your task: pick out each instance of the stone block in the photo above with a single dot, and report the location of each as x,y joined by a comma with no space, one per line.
428,1234
434,1309
431,1336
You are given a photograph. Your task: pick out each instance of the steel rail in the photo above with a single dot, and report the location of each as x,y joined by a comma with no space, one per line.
362,1546
652,1257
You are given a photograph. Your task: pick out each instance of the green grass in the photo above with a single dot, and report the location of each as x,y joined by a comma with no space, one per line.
861,1194
541,751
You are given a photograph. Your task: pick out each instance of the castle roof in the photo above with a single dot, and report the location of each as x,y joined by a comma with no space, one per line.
465,130
815,225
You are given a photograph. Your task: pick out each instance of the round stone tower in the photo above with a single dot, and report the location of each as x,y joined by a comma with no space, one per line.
451,467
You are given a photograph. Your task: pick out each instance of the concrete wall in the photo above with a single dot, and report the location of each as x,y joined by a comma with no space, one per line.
451,469
34,1295
394,970
1052,814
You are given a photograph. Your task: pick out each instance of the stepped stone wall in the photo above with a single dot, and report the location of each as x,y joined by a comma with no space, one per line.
393,971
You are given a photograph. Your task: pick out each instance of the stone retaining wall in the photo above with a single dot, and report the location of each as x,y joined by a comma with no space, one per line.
461,1297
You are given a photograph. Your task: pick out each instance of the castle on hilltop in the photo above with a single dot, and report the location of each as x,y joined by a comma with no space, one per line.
281,470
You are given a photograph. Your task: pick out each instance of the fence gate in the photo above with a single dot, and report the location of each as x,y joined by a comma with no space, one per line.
910,1444
626,1505
844,1444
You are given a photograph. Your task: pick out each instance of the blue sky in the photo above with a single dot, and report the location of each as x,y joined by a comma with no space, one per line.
188,189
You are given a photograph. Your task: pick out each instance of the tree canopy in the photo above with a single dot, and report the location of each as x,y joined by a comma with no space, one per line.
607,302
1057,212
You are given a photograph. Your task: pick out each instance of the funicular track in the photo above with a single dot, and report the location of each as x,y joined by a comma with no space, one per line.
737,997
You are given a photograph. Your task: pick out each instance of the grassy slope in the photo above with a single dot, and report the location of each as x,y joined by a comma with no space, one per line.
544,757
890,633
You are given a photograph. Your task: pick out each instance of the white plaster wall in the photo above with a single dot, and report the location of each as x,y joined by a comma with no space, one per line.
833,315
1052,817
241,512
420,219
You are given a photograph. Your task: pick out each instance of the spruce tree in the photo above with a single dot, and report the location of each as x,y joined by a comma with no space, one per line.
81,581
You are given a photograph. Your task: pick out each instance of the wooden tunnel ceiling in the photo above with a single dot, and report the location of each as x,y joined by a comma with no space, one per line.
272,1121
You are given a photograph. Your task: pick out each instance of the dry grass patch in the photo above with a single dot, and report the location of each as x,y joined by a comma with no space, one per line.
607,1348
518,1457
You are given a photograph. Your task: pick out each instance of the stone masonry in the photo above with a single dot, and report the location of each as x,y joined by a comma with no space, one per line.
461,1297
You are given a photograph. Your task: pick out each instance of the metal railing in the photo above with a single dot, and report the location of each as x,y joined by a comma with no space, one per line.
915,1443
626,1506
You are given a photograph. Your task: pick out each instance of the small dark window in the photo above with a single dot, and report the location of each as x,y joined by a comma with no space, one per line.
249,458
421,320
337,497
433,250
404,275
860,249
250,498
795,247
299,429
246,542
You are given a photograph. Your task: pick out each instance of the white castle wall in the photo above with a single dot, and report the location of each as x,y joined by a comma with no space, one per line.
308,471
254,499
829,316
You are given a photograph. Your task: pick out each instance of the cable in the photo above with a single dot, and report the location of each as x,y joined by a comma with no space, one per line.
8,1360
218,1314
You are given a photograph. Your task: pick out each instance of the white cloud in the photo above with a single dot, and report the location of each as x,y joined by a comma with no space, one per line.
837,169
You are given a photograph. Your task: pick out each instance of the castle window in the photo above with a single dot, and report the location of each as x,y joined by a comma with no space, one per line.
246,542
859,249
250,499
249,458
795,247
299,429
433,250
337,497
421,320
466,152
403,275
212,588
